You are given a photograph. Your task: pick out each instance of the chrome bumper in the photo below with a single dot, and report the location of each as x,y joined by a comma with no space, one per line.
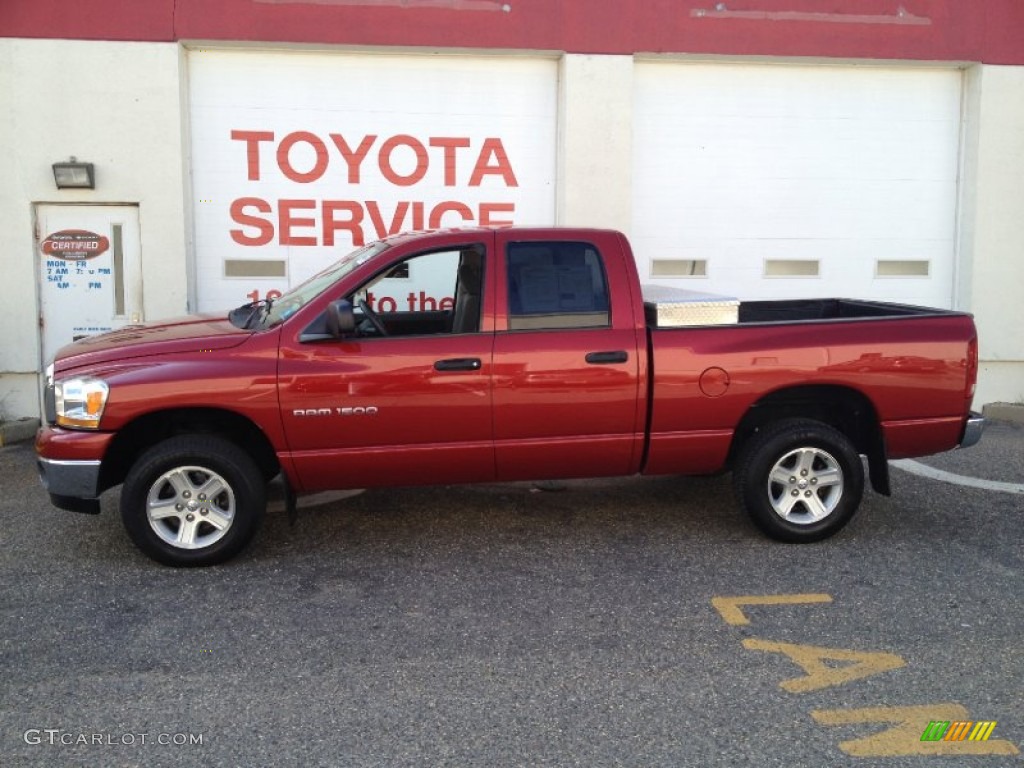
972,430
71,484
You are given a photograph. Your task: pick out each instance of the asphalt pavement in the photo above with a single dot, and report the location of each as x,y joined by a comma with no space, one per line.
625,622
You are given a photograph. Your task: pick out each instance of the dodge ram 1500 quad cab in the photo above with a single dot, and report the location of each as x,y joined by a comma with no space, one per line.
528,354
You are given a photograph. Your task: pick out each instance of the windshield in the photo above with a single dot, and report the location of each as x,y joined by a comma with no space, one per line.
288,303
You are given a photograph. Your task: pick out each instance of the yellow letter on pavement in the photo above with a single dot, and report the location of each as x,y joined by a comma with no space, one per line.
729,607
821,675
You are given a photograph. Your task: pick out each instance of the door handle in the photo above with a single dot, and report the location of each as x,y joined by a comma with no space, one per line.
607,358
458,364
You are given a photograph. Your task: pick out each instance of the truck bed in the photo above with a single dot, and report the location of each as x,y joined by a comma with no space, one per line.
906,367
679,308
796,310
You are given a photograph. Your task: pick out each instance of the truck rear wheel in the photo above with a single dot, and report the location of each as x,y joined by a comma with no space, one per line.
799,480
193,500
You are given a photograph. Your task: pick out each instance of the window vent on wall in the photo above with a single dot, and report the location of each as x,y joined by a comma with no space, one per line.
792,268
679,268
902,268
254,268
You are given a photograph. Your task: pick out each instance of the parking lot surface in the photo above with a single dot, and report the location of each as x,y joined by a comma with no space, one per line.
633,622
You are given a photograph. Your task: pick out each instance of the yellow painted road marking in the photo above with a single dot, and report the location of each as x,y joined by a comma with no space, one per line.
905,737
821,675
729,607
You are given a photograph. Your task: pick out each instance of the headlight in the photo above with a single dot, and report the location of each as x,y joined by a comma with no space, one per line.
80,402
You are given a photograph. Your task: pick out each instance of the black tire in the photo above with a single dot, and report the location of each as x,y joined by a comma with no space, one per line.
799,480
189,527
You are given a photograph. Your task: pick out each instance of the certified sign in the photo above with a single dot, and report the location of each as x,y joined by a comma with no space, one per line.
75,244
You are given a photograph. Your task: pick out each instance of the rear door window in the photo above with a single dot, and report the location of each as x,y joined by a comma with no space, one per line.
556,285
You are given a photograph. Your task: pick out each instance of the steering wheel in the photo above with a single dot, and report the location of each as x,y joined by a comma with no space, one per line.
372,316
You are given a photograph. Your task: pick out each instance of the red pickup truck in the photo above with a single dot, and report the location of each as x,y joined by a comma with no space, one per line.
527,354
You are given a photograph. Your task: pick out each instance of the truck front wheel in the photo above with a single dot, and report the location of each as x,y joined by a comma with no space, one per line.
800,480
193,500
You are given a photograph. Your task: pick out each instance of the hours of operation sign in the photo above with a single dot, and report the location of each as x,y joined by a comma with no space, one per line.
77,264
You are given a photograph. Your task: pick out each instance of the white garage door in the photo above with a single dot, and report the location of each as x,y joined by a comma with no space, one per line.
764,181
299,157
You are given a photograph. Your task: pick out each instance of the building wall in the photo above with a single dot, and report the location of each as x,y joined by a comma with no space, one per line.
113,92
986,31
595,142
116,105
992,227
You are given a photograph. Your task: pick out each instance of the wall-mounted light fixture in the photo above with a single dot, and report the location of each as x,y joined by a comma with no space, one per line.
74,175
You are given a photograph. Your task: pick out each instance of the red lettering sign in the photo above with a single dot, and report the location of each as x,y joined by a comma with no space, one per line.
363,220
412,156
401,160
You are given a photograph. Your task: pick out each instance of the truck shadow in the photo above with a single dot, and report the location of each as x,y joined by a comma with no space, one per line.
605,512
667,517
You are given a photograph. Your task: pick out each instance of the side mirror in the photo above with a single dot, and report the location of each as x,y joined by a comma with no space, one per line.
341,319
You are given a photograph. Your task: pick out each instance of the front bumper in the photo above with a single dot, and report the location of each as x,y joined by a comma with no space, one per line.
69,464
72,485
972,430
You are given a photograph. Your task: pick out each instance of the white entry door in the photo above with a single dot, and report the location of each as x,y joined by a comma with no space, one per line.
90,271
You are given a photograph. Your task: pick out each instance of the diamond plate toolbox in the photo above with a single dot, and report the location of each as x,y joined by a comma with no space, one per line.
676,307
